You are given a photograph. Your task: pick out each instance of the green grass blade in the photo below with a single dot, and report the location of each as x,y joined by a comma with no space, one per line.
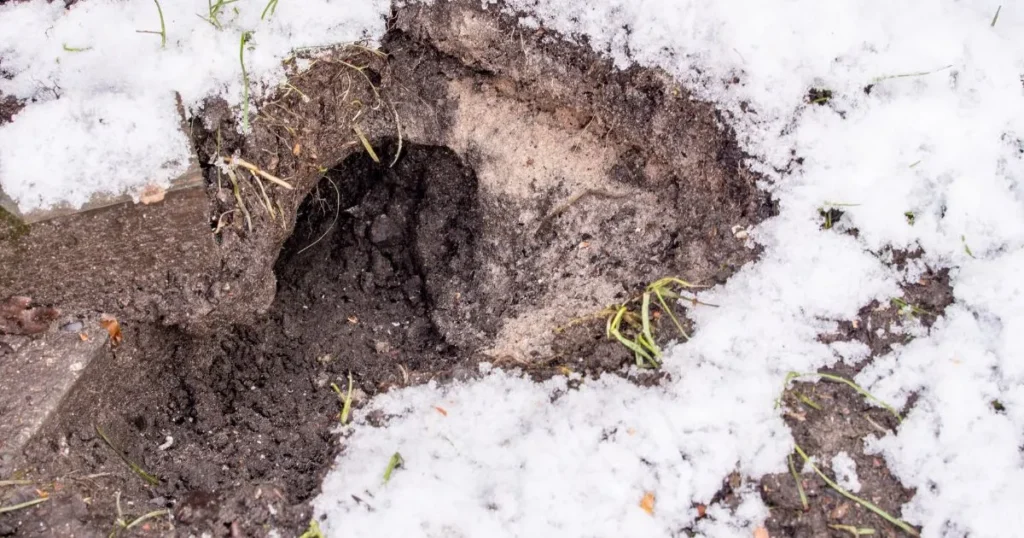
665,307
346,408
645,316
163,28
395,462
799,485
246,36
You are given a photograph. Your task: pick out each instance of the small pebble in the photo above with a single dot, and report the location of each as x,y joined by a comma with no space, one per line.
73,327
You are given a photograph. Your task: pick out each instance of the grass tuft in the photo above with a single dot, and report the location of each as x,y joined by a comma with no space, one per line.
635,331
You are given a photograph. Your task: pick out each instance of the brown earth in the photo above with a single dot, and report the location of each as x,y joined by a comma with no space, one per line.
523,182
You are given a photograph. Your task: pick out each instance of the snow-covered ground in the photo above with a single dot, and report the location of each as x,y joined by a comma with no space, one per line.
938,135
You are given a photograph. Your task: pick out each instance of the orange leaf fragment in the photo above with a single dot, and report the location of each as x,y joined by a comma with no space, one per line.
761,532
113,327
441,410
647,502
83,337
701,511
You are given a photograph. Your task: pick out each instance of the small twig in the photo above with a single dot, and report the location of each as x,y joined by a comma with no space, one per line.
26,504
4,483
996,17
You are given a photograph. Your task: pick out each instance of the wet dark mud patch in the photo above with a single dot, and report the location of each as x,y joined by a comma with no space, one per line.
836,420
250,413
827,418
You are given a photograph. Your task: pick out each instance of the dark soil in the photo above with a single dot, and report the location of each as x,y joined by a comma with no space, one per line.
845,418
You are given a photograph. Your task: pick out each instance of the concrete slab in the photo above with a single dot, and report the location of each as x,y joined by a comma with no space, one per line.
34,379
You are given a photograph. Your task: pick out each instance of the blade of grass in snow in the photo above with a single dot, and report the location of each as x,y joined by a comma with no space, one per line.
395,462
269,10
246,36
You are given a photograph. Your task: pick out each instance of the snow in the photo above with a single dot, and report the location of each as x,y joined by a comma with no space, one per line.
103,116
938,135
845,470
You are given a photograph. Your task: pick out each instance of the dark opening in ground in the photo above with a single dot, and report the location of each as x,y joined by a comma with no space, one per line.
251,411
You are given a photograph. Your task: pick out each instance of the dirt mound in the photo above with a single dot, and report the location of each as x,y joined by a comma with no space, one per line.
517,182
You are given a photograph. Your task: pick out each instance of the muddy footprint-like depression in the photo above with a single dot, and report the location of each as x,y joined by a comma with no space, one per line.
475,192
